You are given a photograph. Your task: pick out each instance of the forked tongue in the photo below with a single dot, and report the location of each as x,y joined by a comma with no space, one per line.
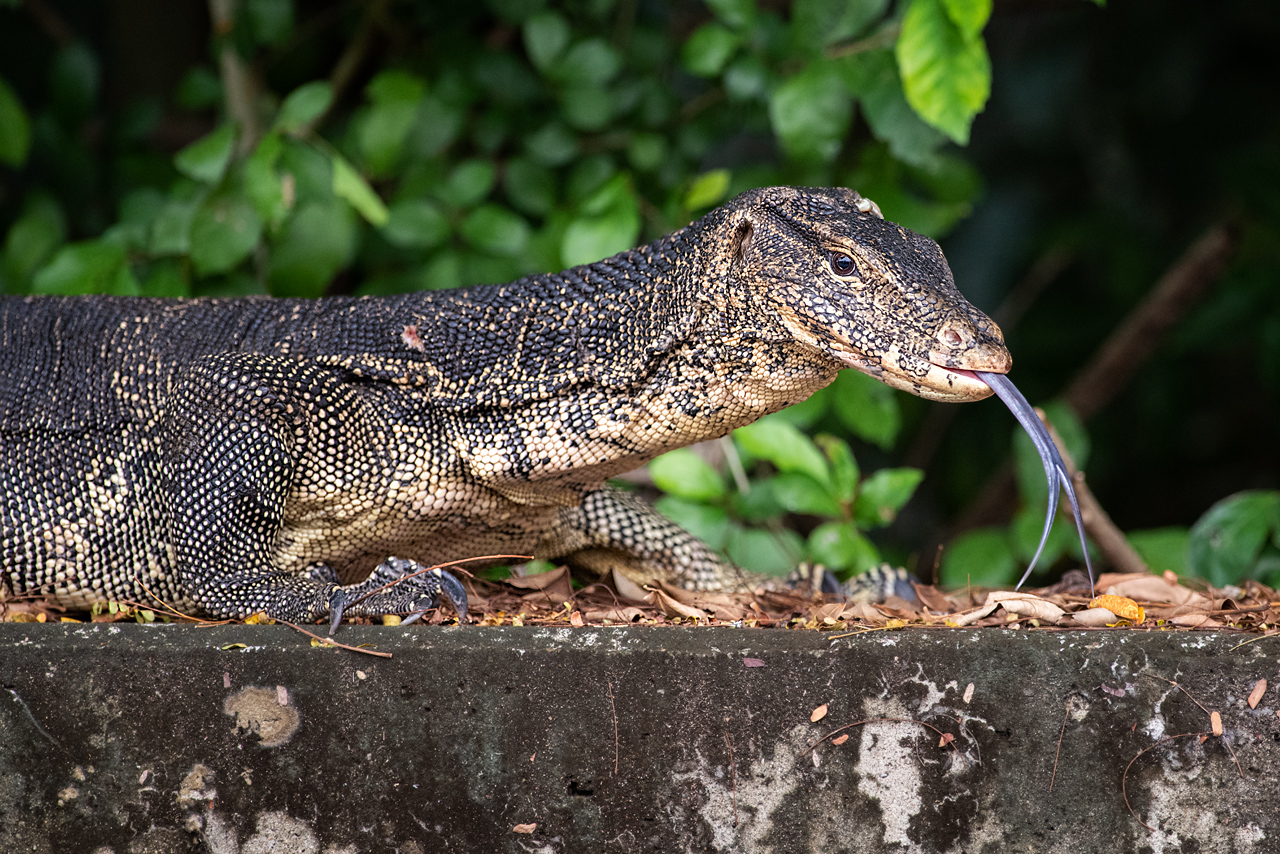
1055,469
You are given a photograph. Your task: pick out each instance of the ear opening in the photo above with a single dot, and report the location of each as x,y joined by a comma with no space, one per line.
742,240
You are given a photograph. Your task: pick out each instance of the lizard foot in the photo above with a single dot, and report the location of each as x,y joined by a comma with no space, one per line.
398,586
873,586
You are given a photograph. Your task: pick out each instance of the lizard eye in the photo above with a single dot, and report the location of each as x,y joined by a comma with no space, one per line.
841,264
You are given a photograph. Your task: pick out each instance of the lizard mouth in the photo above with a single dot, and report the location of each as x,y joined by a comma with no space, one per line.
935,382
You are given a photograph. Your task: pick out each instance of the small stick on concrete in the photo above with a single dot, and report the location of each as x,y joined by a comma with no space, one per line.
613,708
733,778
331,642
1062,732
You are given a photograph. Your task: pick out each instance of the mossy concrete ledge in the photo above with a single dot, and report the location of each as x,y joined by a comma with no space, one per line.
124,738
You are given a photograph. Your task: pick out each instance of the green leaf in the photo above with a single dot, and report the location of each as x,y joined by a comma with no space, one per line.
552,145
759,504
799,493
946,75
383,128
707,190
171,229
685,474
980,558
546,35
844,468
415,224
468,183
15,128
969,16
91,267
735,13
199,89
1226,542
883,494
810,113
1162,548
786,447
318,241
262,184
304,105
1027,528
839,545
868,407
223,233
496,229
873,77
591,61
350,185
206,159
775,553
609,224
708,50
586,107
530,186
707,523
817,23
32,239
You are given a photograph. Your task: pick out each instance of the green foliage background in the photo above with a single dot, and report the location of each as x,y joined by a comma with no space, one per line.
313,148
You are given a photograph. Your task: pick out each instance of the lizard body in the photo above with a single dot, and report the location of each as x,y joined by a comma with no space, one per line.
235,456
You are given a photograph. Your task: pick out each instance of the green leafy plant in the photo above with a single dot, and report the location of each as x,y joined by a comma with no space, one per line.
780,474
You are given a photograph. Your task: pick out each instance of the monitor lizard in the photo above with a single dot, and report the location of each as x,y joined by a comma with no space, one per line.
295,457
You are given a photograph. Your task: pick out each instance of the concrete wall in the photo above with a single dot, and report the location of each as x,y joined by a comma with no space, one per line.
128,738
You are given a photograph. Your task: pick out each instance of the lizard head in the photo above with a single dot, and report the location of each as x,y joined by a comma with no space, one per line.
869,294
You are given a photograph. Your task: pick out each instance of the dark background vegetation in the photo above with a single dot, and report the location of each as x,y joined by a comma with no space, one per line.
1113,140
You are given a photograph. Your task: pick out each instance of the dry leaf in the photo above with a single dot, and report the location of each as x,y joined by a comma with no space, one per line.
1255,696
752,662
627,589
818,713
840,739
1028,605
671,607
1095,618
1153,588
1215,723
946,739
525,828
1196,621
575,619
1125,609
968,692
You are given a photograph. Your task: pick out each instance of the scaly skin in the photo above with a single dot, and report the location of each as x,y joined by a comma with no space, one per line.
236,456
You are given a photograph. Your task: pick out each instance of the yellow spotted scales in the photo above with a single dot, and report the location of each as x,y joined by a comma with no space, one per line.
290,456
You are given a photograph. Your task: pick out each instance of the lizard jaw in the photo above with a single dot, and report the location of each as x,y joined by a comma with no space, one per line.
938,382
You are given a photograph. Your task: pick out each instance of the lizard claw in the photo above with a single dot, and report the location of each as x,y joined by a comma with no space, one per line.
454,593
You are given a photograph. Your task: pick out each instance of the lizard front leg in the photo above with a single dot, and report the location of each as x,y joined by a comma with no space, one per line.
238,429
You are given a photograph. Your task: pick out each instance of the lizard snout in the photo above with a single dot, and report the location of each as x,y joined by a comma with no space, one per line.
961,344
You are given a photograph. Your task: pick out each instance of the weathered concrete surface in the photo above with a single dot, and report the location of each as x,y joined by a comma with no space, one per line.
125,739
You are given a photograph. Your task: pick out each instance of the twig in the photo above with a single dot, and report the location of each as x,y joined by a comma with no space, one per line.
240,89
344,70
1180,688
733,778
331,642
613,708
1119,357
884,38
1066,712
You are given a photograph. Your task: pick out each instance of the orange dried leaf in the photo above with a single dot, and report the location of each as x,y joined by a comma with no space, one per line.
525,828
946,739
840,739
1255,696
1215,723
818,713
1122,607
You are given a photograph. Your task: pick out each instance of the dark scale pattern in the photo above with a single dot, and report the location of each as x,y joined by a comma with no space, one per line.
292,456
